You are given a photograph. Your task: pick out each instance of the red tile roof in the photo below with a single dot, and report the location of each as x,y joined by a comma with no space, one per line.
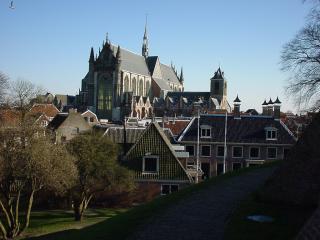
177,126
48,109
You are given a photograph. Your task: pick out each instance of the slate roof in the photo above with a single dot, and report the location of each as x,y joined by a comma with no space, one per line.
58,120
132,62
189,96
176,127
248,129
168,74
116,134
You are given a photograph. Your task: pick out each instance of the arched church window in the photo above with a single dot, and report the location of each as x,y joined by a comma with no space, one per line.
141,88
126,84
134,86
147,88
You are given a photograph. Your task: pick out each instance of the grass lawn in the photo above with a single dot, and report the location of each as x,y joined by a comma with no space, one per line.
288,220
122,225
45,222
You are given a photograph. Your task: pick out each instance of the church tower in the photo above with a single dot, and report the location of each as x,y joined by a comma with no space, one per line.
145,47
218,88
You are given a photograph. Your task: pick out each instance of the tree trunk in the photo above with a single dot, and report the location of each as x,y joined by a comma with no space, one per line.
80,206
28,212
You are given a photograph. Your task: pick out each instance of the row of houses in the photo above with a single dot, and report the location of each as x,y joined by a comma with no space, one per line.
167,154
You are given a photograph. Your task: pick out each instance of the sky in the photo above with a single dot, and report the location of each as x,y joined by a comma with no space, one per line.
48,42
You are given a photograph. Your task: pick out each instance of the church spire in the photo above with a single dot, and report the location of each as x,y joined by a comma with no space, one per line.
145,47
181,76
91,59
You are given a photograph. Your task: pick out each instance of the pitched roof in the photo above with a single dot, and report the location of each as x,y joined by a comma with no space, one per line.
48,109
176,126
58,120
132,62
153,140
218,74
248,129
116,134
9,117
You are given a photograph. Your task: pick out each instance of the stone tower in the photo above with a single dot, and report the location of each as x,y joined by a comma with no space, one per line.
218,88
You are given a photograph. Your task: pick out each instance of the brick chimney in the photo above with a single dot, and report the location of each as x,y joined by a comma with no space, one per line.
265,108
270,108
276,109
236,108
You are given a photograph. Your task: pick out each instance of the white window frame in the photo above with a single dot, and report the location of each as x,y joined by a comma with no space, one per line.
258,154
170,185
241,151
218,151
143,164
194,149
206,128
201,150
271,130
276,153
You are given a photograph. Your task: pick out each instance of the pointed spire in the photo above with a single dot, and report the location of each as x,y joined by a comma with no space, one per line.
99,50
91,59
237,100
181,75
118,55
277,101
264,103
145,47
270,102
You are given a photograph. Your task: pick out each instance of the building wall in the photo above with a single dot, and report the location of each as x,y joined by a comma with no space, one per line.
213,159
71,127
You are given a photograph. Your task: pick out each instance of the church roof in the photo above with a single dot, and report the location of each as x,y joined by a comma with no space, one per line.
132,62
168,74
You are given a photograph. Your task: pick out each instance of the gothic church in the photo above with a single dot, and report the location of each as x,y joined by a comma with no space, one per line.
121,83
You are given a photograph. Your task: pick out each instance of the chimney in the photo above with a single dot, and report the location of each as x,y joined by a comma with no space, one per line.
276,109
270,108
265,108
236,108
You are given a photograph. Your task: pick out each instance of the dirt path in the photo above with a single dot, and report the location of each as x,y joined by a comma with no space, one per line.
204,214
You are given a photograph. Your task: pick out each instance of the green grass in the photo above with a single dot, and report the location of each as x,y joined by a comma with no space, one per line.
45,222
123,225
288,220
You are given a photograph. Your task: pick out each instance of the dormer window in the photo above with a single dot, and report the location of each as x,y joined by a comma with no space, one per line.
150,164
205,131
271,133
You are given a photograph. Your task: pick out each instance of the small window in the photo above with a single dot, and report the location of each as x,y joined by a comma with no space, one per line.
86,119
150,164
63,139
220,151
272,153
190,150
91,119
254,152
205,150
237,152
169,188
205,132
271,134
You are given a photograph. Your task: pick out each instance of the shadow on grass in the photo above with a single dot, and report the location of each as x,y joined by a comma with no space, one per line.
124,224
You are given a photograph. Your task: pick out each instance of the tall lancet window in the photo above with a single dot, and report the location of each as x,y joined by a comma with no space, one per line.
134,86
141,88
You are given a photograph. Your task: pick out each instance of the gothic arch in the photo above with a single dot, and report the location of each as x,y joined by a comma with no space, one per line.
147,88
126,84
141,87
134,86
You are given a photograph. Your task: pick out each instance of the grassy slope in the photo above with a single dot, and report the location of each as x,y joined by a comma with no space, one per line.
122,225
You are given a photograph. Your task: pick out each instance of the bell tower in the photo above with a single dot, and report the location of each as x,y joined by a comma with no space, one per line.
218,88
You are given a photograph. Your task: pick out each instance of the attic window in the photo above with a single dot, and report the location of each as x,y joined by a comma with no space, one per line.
271,133
205,131
150,164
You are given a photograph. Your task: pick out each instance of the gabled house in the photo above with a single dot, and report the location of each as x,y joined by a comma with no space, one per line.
155,163
66,126
90,117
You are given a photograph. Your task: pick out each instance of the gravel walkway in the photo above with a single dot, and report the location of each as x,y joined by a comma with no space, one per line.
204,214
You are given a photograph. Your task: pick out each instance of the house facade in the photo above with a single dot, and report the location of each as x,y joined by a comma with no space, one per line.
155,163
249,140
66,126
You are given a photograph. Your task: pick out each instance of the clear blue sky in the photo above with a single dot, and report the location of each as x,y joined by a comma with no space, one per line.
48,42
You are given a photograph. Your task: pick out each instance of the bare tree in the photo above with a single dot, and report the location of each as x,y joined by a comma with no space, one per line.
28,163
301,57
3,86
